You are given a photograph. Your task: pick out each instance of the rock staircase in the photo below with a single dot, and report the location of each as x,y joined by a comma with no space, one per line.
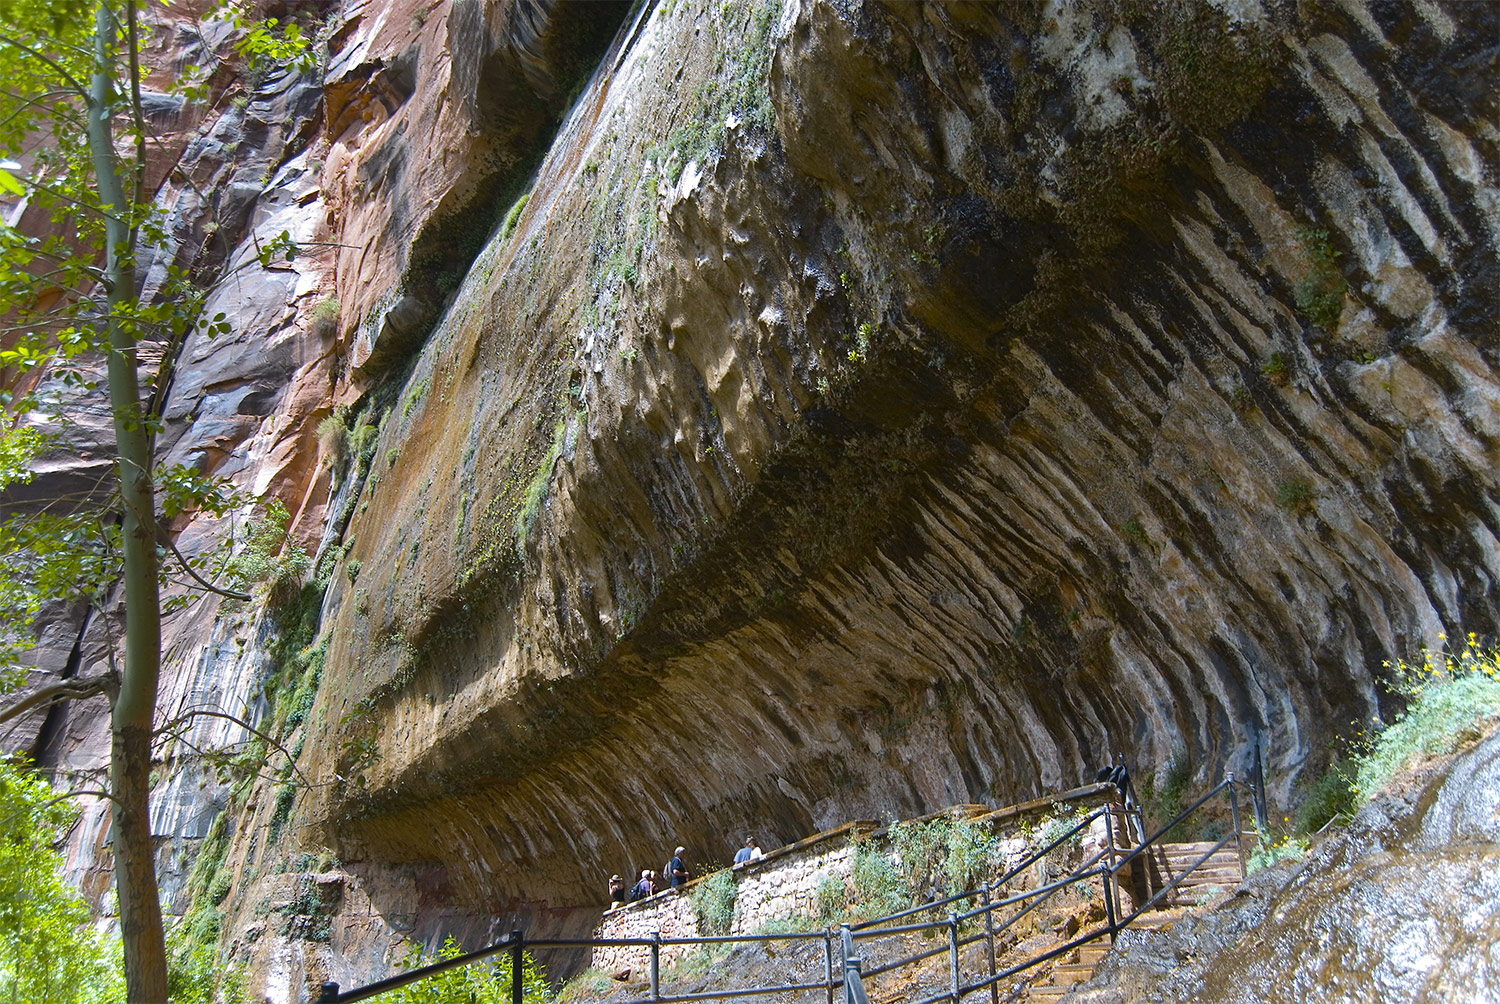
1218,873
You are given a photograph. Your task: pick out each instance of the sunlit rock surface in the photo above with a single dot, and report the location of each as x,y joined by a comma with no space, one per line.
873,407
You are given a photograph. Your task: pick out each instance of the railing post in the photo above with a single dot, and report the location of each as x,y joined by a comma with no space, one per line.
1109,899
828,961
854,988
655,965
328,992
953,953
517,968
989,936
1234,812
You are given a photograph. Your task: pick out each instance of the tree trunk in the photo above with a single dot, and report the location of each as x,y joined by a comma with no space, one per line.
131,721
135,867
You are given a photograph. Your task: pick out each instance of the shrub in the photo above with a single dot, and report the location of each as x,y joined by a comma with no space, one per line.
877,886
587,985
1447,696
970,849
484,982
325,318
1057,822
1330,796
832,901
52,952
943,854
1162,796
713,901
1275,849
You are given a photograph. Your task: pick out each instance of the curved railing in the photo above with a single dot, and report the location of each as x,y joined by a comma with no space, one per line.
1103,867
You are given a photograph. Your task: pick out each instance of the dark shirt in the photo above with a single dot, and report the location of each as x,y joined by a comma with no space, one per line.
677,870
617,892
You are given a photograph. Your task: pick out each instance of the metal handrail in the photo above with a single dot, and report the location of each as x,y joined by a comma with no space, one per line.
1025,863
516,942
1040,894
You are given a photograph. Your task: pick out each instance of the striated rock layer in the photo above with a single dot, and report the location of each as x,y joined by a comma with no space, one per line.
856,408
881,406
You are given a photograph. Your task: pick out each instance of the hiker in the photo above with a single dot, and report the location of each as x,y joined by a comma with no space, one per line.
643,888
677,872
616,892
747,853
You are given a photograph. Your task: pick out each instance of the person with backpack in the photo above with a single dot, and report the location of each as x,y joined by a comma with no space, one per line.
644,888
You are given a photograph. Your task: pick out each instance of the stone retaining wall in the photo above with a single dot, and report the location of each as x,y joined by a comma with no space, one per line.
779,886
784,884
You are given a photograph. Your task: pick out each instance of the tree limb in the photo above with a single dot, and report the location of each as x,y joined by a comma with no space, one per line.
291,760
83,92
67,690
161,535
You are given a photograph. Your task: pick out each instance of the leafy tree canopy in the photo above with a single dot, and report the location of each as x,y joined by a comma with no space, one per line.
49,951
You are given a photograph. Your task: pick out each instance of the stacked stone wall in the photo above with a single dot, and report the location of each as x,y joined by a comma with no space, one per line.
771,891
784,885
778,887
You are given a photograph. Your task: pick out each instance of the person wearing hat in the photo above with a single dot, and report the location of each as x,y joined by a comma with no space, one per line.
616,892
677,872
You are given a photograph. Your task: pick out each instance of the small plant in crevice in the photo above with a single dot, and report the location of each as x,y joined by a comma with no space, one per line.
324,318
333,436
1275,368
1295,495
270,557
514,216
1319,293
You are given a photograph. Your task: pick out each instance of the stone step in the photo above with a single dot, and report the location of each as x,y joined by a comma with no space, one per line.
1227,861
1211,868
1156,921
1205,877
1092,954
1047,993
1198,847
1067,975
1224,854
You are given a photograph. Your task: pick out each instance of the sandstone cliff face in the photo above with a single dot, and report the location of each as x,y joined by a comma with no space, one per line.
882,406
872,407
